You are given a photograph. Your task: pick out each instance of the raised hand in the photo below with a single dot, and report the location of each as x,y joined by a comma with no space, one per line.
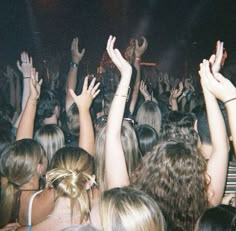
75,54
84,100
35,85
26,64
139,50
175,93
144,91
217,84
115,55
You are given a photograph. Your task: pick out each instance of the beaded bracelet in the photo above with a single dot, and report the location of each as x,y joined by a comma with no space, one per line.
229,100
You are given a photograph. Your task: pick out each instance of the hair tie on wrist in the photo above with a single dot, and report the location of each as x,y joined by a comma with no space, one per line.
229,100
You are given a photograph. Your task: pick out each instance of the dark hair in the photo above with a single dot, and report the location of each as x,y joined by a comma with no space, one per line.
203,128
47,103
147,138
174,175
179,127
219,218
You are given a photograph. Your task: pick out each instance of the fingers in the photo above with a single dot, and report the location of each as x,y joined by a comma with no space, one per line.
212,59
85,86
91,85
40,82
96,93
18,65
82,52
219,54
144,44
94,90
110,45
74,44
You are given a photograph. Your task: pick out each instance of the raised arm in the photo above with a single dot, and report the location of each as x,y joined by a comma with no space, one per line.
139,50
174,95
144,91
83,102
25,68
26,124
71,82
115,166
218,162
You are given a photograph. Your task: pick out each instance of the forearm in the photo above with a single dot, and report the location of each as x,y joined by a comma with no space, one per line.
136,86
18,95
174,105
26,124
219,138
218,162
12,93
231,112
71,84
26,92
116,176
86,137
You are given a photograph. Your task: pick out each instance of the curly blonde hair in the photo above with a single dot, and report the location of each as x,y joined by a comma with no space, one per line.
174,174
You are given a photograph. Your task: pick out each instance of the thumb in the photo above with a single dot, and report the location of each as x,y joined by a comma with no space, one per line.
72,93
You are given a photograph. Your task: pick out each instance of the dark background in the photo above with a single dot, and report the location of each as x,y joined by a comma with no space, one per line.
177,30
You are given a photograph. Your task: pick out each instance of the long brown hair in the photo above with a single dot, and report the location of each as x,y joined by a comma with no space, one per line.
18,164
174,174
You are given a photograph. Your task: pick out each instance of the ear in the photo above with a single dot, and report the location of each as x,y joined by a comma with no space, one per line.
90,183
39,169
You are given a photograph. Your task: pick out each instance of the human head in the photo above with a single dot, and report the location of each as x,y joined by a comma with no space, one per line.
130,147
51,137
179,126
128,209
174,175
219,218
48,106
149,113
147,138
72,120
20,162
71,175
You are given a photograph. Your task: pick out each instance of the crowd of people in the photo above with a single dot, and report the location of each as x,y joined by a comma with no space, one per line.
129,148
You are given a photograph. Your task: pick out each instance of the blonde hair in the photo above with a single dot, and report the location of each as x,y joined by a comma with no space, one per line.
128,209
18,164
51,137
150,114
72,169
130,147
72,120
